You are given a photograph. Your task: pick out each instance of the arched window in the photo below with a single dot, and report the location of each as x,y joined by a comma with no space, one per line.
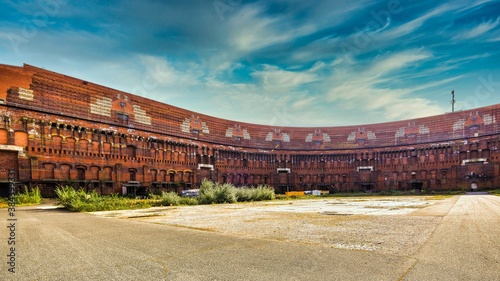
132,175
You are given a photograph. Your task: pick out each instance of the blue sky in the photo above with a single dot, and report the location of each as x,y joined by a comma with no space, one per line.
280,63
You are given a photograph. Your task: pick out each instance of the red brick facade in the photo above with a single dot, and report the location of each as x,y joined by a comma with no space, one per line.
56,129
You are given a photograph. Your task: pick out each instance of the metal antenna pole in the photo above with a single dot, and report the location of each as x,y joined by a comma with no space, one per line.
452,100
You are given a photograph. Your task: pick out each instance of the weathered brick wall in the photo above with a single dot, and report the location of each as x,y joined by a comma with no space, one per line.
76,132
68,96
8,161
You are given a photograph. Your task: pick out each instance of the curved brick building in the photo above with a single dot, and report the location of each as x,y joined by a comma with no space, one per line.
56,129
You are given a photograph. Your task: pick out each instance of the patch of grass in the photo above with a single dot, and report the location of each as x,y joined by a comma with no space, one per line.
494,192
244,194
170,198
207,192
81,201
4,203
449,192
173,199
188,201
224,193
210,193
263,192
30,196
215,193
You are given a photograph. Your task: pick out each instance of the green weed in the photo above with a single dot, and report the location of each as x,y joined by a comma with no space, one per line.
29,196
81,201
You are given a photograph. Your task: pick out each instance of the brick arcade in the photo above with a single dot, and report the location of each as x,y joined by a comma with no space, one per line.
57,130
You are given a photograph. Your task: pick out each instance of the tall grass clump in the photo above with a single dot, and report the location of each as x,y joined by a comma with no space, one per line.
81,201
244,194
259,193
29,196
215,193
207,192
76,200
224,193
264,192
170,198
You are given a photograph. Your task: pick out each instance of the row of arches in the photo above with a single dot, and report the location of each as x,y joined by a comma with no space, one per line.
68,172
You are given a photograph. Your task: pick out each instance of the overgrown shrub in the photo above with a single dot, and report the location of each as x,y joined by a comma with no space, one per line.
259,193
29,196
207,192
244,194
224,193
264,192
215,193
210,193
170,199
81,201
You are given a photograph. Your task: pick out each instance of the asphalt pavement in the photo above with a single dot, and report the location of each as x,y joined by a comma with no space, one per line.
53,244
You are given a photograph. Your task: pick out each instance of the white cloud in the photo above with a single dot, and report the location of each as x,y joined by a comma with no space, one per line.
359,90
252,30
387,64
478,30
461,60
474,4
273,78
364,39
416,23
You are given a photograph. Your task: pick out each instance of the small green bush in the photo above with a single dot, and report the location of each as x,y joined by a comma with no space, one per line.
224,193
207,192
170,199
259,193
264,192
29,196
244,194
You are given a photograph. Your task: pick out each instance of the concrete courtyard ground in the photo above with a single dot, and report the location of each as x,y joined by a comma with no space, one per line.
372,224
392,238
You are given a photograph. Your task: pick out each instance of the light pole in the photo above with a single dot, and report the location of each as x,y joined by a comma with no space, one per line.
452,100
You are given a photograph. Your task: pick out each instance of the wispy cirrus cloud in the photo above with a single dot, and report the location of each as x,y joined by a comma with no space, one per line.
478,30
273,78
416,23
361,90
251,29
